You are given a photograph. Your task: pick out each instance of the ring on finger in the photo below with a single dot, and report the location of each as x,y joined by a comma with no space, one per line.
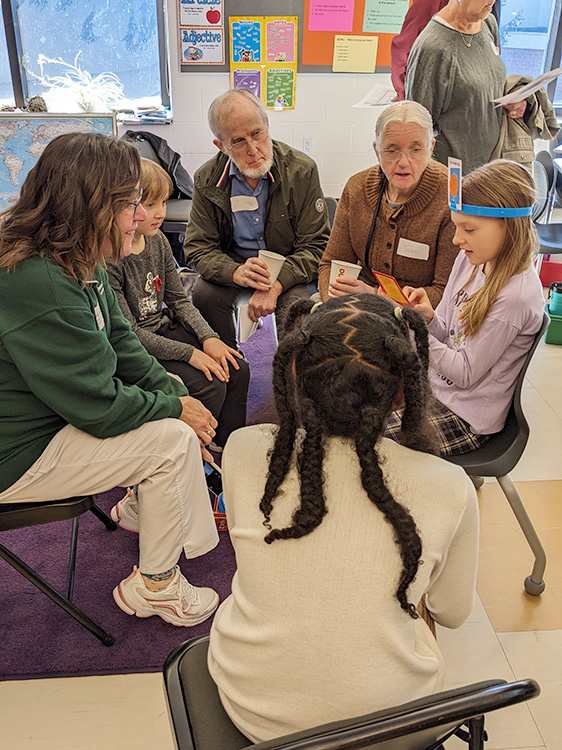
208,432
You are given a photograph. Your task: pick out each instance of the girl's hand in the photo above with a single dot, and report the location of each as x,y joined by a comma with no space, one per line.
346,285
222,354
420,301
208,365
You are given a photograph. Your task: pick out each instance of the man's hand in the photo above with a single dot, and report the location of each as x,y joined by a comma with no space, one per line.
264,303
252,273
516,109
222,354
200,419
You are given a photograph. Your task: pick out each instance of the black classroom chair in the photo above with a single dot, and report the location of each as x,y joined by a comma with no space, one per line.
499,455
22,515
201,723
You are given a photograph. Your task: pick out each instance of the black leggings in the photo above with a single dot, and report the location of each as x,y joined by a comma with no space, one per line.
226,401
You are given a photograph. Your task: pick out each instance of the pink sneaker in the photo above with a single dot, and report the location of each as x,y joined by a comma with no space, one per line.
179,603
126,512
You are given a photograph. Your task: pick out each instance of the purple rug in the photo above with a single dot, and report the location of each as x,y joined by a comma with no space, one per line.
38,639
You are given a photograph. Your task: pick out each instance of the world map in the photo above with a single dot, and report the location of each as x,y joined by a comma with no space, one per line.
23,138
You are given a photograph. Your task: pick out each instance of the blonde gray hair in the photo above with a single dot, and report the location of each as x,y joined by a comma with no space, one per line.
405,112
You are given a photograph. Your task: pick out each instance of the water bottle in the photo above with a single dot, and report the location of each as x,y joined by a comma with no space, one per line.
555,298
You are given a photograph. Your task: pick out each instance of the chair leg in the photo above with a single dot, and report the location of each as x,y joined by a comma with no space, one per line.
107,521
534,584
476,734
72,558
55,596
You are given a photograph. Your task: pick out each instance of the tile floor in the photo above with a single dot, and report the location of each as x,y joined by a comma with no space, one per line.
129,711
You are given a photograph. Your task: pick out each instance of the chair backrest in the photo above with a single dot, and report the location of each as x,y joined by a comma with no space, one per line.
542,187
544,158
201,723
331,205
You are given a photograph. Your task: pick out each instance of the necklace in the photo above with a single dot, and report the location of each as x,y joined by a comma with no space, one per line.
466,44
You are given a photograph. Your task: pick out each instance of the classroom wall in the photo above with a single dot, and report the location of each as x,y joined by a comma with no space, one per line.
342,135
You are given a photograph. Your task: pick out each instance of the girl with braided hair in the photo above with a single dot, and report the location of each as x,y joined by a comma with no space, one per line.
340,532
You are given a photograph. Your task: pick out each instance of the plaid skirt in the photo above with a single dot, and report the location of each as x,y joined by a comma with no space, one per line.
455,435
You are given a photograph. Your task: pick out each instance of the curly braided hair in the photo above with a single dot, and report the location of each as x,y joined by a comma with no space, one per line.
355,353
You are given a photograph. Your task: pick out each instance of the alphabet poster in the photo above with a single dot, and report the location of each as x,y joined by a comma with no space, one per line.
263,58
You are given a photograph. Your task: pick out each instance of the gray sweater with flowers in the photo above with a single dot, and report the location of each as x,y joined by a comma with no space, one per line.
143,284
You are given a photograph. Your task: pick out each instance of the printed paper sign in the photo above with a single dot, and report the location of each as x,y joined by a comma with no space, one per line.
455,183
384,17
355,54
247,79
200,12
202,46
280,88
280,41
330,15
245,41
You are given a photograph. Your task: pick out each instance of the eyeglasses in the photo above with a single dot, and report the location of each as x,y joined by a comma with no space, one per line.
238,145
416,153
136,203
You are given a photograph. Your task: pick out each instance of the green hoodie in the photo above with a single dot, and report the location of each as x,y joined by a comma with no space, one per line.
68,356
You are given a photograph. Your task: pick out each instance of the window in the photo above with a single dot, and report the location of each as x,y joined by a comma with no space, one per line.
528,32
79,43
6,89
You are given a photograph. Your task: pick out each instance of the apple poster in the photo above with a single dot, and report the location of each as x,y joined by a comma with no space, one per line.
206,13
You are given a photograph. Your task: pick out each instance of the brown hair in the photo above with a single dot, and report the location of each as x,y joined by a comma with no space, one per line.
504,184
69,203
155,181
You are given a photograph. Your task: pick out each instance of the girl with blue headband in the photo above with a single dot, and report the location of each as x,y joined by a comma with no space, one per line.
491,308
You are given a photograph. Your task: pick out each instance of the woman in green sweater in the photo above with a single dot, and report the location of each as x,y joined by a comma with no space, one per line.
83,406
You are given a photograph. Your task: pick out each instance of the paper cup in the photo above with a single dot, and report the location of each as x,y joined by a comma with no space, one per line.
274,262
246,326
340,269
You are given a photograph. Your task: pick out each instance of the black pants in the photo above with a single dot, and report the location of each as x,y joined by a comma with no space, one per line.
218,305
226,401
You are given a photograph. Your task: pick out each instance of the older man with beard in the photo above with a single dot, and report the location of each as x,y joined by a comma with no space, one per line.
256,194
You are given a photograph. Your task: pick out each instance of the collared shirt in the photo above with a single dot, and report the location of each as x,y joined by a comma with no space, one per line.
248,224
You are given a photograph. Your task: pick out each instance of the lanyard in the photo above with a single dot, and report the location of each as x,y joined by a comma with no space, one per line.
383,183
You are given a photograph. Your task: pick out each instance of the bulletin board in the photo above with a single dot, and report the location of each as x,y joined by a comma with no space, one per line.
315,47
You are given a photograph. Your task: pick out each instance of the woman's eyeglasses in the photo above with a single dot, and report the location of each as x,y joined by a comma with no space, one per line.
135,204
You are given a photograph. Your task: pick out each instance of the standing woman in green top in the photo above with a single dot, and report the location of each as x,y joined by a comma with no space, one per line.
83,406
455,70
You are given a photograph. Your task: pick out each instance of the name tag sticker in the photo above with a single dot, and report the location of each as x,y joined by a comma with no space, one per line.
243,203
99,317
411,249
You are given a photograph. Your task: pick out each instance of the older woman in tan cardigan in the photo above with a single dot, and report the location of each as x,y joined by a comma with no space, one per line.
394,217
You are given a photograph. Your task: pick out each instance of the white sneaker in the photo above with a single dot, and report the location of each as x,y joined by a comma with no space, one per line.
126,512
180,603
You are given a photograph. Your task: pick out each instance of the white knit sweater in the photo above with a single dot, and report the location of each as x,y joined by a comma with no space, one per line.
312,631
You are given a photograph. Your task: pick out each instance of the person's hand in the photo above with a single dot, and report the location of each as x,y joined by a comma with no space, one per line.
516,110
346,285
201,360
201,421
420,302
222,354
263,303
252,273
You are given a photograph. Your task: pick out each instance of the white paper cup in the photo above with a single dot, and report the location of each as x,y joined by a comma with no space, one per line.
342,269
246,325
274,263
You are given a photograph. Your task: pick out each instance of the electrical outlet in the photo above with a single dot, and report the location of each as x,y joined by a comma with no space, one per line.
307,144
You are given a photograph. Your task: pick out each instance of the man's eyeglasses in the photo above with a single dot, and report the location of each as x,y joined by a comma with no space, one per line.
135,204
416,153
239,144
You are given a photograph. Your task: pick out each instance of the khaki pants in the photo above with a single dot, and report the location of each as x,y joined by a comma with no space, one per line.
163,458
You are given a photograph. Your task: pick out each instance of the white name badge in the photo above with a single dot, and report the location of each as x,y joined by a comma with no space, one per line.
99,317
411,249
244,203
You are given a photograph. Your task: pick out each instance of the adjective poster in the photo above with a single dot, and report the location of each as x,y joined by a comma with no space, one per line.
202,46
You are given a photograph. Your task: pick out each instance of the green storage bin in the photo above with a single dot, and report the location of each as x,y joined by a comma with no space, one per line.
554,330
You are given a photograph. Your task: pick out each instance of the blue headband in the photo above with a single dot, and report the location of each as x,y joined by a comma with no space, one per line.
494,211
